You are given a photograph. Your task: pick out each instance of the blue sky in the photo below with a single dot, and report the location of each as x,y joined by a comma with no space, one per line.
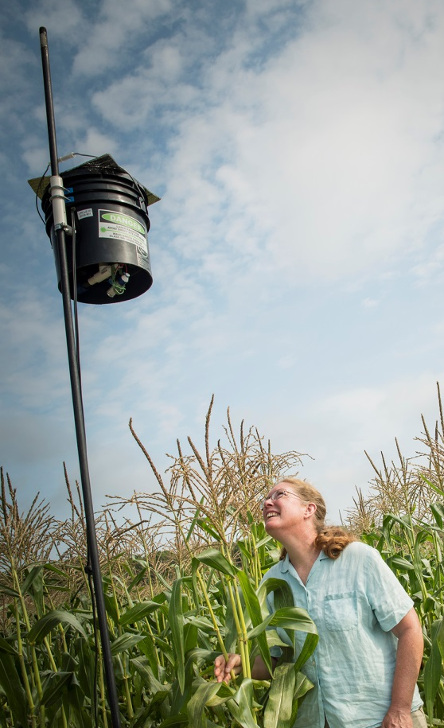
297,252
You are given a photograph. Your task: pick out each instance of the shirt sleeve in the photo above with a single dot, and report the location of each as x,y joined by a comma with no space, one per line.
388,599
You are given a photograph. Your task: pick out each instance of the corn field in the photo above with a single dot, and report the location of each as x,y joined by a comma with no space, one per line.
181,571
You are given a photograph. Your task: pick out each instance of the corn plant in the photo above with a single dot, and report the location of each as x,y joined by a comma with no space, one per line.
182,584
403,516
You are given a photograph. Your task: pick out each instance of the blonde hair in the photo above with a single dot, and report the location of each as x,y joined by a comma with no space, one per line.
332,540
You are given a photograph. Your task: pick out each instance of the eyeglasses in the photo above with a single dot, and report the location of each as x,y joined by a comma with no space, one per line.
277,495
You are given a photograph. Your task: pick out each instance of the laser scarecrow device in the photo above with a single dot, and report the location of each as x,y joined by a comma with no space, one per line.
96,216
104,213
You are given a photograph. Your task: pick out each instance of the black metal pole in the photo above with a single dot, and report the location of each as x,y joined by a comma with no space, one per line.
77,400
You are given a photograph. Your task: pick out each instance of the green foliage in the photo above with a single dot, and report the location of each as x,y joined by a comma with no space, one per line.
403,517
163,674
182,585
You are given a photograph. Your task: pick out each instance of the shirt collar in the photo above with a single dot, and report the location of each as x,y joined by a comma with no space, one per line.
285,563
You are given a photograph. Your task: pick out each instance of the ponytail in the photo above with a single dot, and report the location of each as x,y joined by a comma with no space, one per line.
332,541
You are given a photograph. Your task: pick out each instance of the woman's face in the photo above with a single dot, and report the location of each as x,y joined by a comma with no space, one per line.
282,509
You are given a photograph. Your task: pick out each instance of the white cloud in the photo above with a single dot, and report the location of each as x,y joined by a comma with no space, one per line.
370,302
372,417
286,362
35,156
117,26
340,160
335,429
432,267
301,166
328,157
96,143
64,21
35,339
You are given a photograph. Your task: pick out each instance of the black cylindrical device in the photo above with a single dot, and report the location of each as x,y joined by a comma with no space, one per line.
107,248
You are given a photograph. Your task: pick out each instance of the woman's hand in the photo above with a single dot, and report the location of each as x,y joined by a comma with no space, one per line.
397,719
223,669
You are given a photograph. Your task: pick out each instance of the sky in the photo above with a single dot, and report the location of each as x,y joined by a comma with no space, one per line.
297,251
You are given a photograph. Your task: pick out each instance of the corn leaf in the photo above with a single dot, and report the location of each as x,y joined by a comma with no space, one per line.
401,563
5,646
433,668
287,688
55,570
282,594
196,705
174,720
439,636
9,592
12,687
255,614
308,648
125,642
438,513
54,685
240,706
193,523
293,618
213,558
32,575
434,487
206,526
147,648
175,618
139,611
44,625
137,579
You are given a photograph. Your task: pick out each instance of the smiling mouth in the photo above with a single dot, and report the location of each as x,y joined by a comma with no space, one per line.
270,515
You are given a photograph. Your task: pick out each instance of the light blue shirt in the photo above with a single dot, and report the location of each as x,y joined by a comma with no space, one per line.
354,601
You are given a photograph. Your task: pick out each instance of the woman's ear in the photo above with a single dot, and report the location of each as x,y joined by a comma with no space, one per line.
310,509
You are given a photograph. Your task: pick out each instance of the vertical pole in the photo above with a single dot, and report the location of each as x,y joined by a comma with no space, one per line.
76,390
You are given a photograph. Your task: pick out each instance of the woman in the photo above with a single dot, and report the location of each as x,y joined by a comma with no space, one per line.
366,664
